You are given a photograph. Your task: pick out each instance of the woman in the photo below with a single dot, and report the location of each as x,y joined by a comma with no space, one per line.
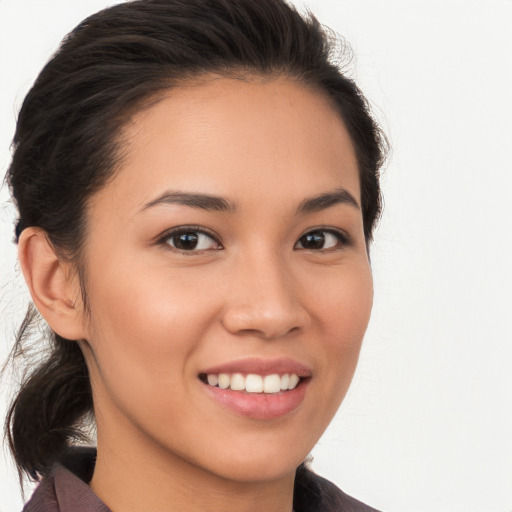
197,187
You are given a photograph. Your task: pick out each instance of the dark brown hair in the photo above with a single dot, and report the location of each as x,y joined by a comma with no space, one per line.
66,147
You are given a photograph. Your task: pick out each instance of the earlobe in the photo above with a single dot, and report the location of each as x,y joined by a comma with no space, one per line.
53,287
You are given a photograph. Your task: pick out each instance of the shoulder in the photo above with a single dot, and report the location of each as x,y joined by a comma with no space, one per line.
316,494
65,488
44,498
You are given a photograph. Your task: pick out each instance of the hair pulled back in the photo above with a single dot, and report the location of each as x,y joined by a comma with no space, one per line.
67,145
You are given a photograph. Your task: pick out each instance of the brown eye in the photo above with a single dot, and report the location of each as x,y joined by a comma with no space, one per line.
320,240
191,240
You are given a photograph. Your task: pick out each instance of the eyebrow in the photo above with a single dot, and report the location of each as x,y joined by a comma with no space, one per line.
220,204
193,200
324,201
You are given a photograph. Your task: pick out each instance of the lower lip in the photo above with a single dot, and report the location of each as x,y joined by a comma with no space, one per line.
261,406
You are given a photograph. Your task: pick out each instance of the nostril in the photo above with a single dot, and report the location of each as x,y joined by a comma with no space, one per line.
263,324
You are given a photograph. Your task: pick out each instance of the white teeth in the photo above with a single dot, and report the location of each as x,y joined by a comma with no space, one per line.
213,380
253,383
294,380
237,382
224,381
272,384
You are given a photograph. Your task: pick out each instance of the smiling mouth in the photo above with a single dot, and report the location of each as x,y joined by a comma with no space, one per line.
252,382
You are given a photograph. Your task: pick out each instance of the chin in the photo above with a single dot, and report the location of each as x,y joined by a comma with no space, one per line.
246,472
260,466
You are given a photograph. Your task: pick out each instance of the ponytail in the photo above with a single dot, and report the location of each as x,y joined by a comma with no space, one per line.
43,419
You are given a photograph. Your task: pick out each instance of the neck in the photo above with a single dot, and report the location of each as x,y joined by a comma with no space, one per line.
142,477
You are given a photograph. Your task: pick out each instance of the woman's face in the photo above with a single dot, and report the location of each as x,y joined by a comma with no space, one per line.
229,247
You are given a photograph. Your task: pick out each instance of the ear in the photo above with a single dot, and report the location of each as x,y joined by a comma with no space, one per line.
54,287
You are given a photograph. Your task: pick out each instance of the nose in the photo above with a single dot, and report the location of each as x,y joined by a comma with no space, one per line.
264,300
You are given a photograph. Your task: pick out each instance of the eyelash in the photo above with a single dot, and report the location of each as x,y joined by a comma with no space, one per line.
182,230
343,239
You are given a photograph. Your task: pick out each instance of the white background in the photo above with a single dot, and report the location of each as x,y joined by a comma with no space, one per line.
427,425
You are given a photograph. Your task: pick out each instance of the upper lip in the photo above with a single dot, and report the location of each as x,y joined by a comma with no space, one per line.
261,366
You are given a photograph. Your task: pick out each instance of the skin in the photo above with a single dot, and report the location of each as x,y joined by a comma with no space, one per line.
159,316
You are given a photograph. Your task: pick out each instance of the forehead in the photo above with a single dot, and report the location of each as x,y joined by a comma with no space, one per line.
236,138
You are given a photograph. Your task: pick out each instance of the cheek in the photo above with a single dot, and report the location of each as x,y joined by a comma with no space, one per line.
344,302
344,305
154,303
144,328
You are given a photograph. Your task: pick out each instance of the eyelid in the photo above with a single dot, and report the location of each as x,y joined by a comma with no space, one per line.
163,237
343,237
